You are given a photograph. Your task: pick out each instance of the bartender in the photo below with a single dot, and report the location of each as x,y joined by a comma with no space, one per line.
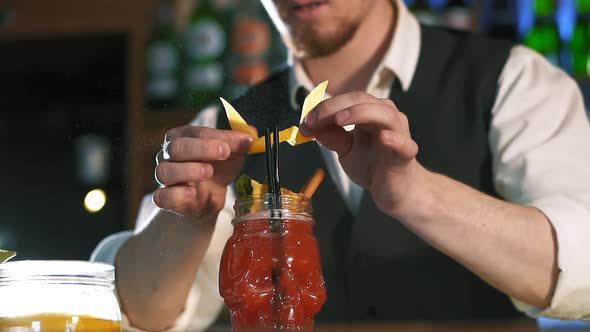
458,180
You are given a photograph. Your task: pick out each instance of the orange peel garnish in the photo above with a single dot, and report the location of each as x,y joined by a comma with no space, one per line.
290,135
236,122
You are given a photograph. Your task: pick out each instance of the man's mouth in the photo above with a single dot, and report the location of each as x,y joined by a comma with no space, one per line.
307,8
308,5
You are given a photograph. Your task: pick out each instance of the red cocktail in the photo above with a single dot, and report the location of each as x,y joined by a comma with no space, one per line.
270,273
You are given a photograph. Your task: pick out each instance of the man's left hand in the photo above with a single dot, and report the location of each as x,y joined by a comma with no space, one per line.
379,154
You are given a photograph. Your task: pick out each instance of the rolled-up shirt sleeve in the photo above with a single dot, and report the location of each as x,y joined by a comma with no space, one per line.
203,302
540,142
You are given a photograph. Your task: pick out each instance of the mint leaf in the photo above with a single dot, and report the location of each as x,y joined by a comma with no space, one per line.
244,186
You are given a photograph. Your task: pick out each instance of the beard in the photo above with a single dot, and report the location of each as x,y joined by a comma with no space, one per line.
311,42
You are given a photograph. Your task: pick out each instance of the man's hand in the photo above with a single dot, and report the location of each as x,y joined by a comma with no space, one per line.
198,164
378,154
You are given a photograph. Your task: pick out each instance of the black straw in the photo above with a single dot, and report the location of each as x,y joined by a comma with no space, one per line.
268,153
276,223
271,141
277,182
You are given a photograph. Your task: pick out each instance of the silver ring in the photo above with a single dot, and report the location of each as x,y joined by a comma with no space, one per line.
160,157
156,177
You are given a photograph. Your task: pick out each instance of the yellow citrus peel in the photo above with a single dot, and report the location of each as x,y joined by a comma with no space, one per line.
312,100
262,189
236,122
246,186
290,135
259,145
5,255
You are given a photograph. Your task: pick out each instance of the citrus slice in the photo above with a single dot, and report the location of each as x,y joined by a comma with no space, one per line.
290,135
259,188
285,135
247,186
236,122
6,255
312,100
262,189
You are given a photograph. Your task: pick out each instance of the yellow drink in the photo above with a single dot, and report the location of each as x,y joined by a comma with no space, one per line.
51,322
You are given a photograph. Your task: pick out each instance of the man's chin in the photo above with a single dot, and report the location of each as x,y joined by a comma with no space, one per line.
321,39
319,47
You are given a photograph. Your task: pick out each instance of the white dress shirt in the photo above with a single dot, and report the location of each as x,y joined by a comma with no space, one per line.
540,142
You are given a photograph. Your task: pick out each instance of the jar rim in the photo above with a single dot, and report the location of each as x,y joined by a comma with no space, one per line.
57,269
268,196
292,202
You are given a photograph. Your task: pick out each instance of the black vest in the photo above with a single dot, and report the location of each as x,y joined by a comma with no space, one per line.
375,269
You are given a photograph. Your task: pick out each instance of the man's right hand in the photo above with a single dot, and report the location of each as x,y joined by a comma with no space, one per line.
195,167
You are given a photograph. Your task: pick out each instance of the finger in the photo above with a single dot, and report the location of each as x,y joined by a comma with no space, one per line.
193,149
239,142
379,115
202,132
179,198
338,103
388,101
401,115
403,119
336,139
404,146
171,173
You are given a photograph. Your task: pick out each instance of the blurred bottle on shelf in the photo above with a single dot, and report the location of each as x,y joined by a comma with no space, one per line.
544,36
579,43
583,7
458,14
162,60
93,159
422,9
454,14
251,48
582,65
573,53
204,46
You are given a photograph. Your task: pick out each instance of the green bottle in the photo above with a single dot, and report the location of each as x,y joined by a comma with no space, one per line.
578,46
580,43
544,36
162,61
204,47
583,6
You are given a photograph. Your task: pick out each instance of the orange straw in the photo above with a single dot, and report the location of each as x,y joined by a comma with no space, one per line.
313,183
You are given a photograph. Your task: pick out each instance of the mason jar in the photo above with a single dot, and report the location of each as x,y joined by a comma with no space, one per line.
270,272
41,296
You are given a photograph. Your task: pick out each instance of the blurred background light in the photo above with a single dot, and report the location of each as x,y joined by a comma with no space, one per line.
95,200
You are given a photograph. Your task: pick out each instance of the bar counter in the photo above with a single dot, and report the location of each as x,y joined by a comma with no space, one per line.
525,325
